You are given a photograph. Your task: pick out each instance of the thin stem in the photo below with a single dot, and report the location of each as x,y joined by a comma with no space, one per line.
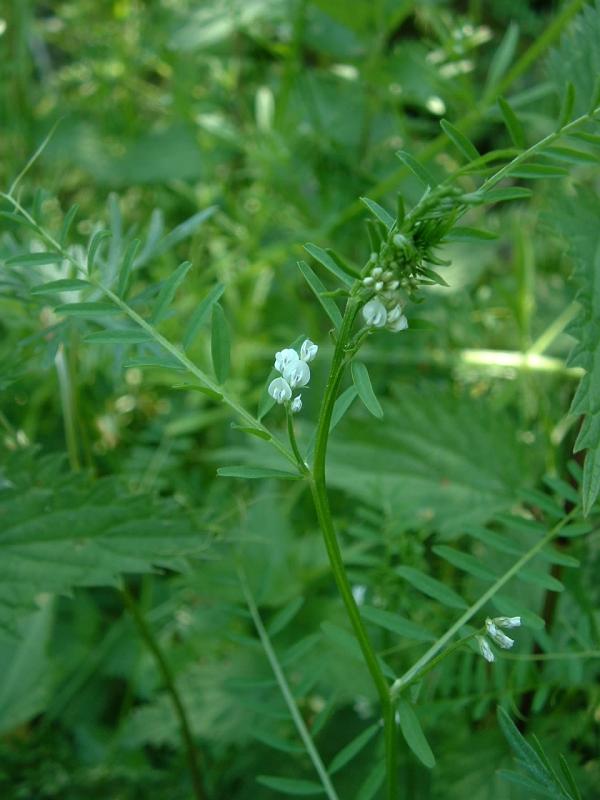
302,466
321,502
285,689
68,406
435,648
169,681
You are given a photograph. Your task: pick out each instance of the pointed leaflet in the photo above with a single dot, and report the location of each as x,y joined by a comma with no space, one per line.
379,212
220,343
431,587
417,169
291,786
97,240
352,749
119,336
201,313
284,616
513,125
503,57
413,734
127,267
62,285
167,292
323,257
360,376
66,226
251,473
87,309
462,143
34,259
319,289
396,624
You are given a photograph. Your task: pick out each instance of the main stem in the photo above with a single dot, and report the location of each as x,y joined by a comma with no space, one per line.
169,681
321,501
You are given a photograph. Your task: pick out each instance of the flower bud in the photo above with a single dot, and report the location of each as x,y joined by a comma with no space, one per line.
507,622
368,281
308,351
280,391
396,320
297,373
485,649
285,357
501,639
374,313
296,404
376,272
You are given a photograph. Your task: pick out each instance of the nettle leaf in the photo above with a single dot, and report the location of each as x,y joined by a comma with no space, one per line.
575,217
60,530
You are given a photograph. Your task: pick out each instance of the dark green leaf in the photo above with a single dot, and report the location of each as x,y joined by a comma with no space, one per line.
360,376
97,239
291,786
352,749
379,212
503,58
515,129
413,734
397,624
253,473
417,169
327,261
284,616
342,404
62,285
34,259
431,587
462,143
119,336
167,292
87,309
315,284
126,268
220,343
201,313
568,103
67,222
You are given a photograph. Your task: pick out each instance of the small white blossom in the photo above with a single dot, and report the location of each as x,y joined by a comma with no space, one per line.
368,281
358,593
280,390
397,325
285,357
485,649
374,313
297,373
376,272
507,622
308,351
296,404
501,639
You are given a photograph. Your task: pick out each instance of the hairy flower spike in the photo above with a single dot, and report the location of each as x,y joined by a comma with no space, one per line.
280,390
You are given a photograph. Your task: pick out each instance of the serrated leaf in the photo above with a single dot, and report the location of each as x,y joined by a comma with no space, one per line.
417,169
255,473
323,257
413,734
319,289
34,259
220,343
362,382
513,124
291,786
431,587
397,624
119,336
352,749
379,212
95,309
97,239
201,314
62,285
462,143
168,290
126,268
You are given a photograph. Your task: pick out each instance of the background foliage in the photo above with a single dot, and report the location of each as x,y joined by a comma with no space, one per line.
227,134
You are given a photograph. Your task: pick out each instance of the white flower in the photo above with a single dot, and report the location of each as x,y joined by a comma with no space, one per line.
296,404
400,324
308,351
358,593
507,622
280,391
285,357
501,639
374,313
297,373
485,649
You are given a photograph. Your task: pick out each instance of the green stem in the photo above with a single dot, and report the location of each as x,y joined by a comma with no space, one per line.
285,689
321,502
169,681
65,385
302,466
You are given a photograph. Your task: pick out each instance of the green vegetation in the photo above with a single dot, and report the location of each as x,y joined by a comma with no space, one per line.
299,400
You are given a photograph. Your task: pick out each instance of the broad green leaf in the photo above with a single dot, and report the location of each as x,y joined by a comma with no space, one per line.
62,285
512,122
352,749
291,786
96,309
323,257
462,143
397,624
319,290
201,314
379,212
96,242
417,169
34,259
362,382
168,290
220,343
251,473
431,587
119,336
413,734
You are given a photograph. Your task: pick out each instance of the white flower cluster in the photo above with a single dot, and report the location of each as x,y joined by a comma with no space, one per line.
384,310
492,628
295,373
